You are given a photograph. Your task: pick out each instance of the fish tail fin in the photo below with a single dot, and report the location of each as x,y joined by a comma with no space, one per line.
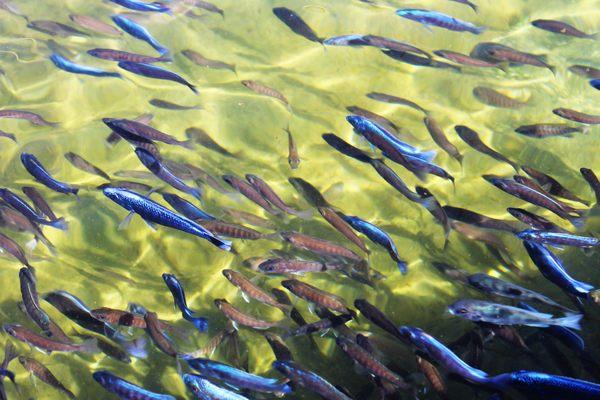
89,346
585,129
552,69
402,267
429,156
200,323
473,6
188,144
193,88
478,30
572,321
578,222
60,223
459,157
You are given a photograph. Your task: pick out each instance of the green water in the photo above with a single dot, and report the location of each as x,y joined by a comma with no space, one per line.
107,267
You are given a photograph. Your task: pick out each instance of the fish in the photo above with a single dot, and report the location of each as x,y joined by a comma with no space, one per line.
200,136
48,345
250,192
434,207
269,194
165,174
552,185
291,266
378,236
345,148
32,117
95,25
39,202
296,24
44,374
84,165
152,71
494,98
24,208
37,170
438,136
319,246
237,378
167,105
265,90
434,18
498,287
158,337
397,183
586,71
390,99
310,193
413,59
562,28
115,137
280,349
138,31
558,239
293,157
119,55
470,137
346,40
69,66
378,119
541,131
176,289
376,316
595,83
538,385
13,248
239,318
54,28
205,5
185,207
248,218
496,52
480,220
202,61
13,219
317,296
309,380
342,226
322,325
250,290
125,389
203,388
534,220
141,131
577,116
591,178
124,318
434,377
154,212
142,6
7,135
464,59
392,45
135,186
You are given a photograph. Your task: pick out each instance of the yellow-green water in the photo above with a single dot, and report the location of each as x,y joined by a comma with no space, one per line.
107,267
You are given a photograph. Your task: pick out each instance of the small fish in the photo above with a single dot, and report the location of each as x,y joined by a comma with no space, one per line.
141,130
269,194
317,296
538,385
33,339
54,28
392,45
577,116
167,105
93,24
32,117
84,165
494,98
296,24
390,99
24,208
13,248
470,137
464,59
138,31
141,6
158,337
239,318
309,380
44,374
280,349
375,315
202,388
185,207
265,90
434,377
413,59
250,192
200,136
293,157
124,318
14,220
39,202
310,193
346,40
591,178
586,71
319,246
115,137
70,66
342,226
202,61
322,325
397,183
250,290
180,302
379,236
438,136
541,131
152,71
480,220
35,168
552,185
500,314
496,52
534,220
205,5
378,119
434,18
154,212
345,148
561,27
558,239
119,55
125,389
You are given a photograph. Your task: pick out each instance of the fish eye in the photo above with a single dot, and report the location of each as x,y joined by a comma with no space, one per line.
462,310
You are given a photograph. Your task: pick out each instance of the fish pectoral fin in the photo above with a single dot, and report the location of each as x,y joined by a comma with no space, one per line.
245,297
150,224
126,221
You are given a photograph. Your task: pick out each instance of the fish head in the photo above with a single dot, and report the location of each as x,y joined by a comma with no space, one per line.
252,178
199,364
410,333
94,52
171,280
495,180
357,122
288,284
409,12
147,159
220,302
265,266
424,193
466,309
192,383
10,329
227,273
230,179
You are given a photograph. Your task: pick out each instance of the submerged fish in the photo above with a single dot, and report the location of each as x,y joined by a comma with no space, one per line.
296,23
185,207
250,290
167,105
39,202
494,98
419,61
438,136
591,178
586,71
125,389
470,137
35,168
534,220
240,318
480,220
317,296
250,192
140,131
309,380
561,27
379,119
595,83
205,5
25,209
152,71
541,131
269,194
69,66
293,157
138,5
265,90
466,60
94,24
180,302
552,185
558,239
202,61
434,18
44,374
119,55
310,193
32,117
48,345
203,388
54,28
200,136
160,340
577,116
496,52
388,98
138,31
319,246
342,226
84,165
539,385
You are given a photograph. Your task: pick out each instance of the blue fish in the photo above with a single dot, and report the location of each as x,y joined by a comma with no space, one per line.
69,66
377,235
164,174
558,239
153,212
125,389
236,377
551,267
141,6
35,168
206,390
186,208
538,385
24,208
138,31
595,83
179,297
309,380
152,71
434,18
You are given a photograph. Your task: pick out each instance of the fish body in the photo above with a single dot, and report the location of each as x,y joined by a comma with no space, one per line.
433,376
577,116
434,207
186,208
534,220
138,31
494,98
158,337
125,389
290,266
269,194
464,59
559,238
24,208
119,55
13,248
591,178
434,18
480,220
33,339
321,325
586,71
342,226
44,374
470,137
293,157
114,137
495,52
176,289
69,66
39,202
346,40
438,136
8,136
202,61
296,23
316,296
144,131
319,246
93,24
552,185
13,219
251,290
392,45
388,98
310,193
54,28
124,318
142,6
32,117
167,105
239,318
202,138
309,380
265,90
541,131
346,148
204,389
378,119
561,27
250,192
84,165
152,71
396,182
595,83
538,385
375,315
154,212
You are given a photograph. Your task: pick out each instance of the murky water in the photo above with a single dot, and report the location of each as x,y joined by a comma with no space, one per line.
107,267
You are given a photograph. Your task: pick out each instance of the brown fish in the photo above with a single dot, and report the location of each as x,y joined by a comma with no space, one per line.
25,335
311,194
135,186
286,266
319,246
93,24
248,218
203,139
577,116
158,337
388,98
541,131
13,219
250,290
495,52
39,202
261,88
552,185
480,220
584,70
204,177
435,379
494,98
317,296
13,249
592,180
562,28
8,136
470,137
230,230
119,55
167,105
211,346
34,118
343,227
250,192
464,59
293,157
205,5
147,132
202,61
54,28
84,165
42,373
269,194
239,318
438,136
280,349
115,137
391,44
125,318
